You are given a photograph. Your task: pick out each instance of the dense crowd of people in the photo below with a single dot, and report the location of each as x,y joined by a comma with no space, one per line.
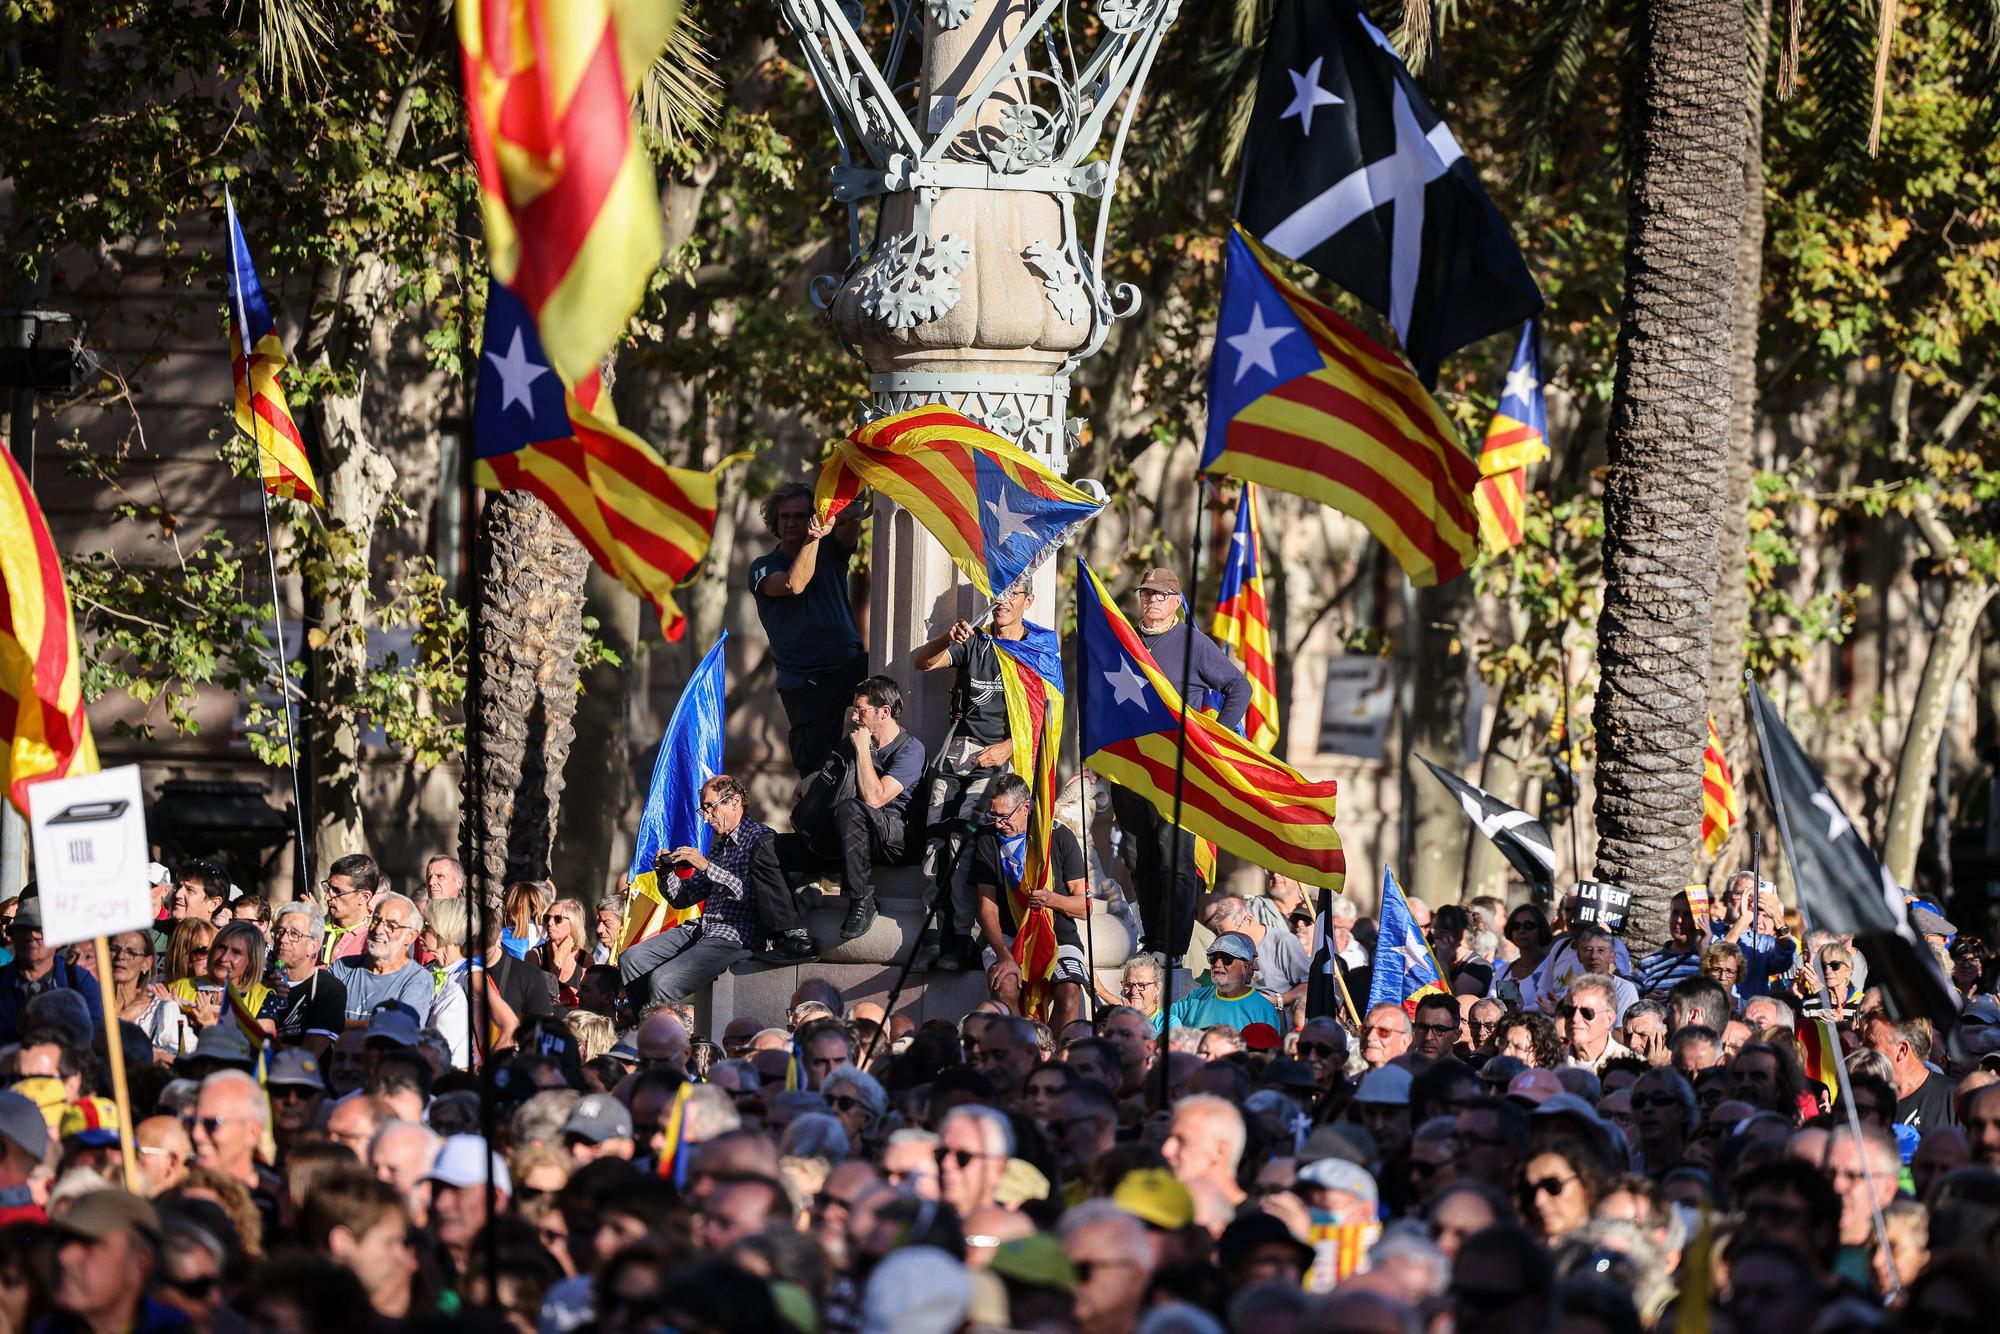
1561,1137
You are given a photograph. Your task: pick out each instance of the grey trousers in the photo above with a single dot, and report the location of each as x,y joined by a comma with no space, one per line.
675,964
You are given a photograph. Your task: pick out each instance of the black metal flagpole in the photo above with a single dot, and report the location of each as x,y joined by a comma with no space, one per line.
1173,874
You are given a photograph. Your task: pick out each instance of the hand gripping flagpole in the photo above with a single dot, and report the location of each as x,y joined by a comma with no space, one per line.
1819,966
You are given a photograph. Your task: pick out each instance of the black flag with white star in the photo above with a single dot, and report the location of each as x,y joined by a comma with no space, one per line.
1349,169
1331,983
1521,838
1842,888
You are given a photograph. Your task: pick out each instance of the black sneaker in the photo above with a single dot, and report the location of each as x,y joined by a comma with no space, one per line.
926,957
861,914
961,956
792,947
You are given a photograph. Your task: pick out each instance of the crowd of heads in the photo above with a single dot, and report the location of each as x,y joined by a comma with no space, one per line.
1559,1136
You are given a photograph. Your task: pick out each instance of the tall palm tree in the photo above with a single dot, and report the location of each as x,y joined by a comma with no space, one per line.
1668,438
523,702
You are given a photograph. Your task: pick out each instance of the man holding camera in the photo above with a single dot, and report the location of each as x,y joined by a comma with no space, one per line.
738,883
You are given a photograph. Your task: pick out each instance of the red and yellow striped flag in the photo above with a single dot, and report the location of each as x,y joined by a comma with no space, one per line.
644,522
572,218
1132,730
256,360
1719,808
1302,400
1031,680
993,507
41,689
1243,620
1515,438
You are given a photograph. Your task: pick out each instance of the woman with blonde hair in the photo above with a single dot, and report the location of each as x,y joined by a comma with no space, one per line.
235,959
565,949
595,1033
1724,962
521,910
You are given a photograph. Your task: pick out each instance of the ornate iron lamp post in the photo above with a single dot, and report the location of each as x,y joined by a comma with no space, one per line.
979,281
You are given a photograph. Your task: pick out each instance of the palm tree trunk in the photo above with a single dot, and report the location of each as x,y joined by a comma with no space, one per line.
1732,587
1668,438
598,779
532,573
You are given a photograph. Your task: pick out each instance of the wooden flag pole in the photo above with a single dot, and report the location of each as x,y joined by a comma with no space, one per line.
114,1049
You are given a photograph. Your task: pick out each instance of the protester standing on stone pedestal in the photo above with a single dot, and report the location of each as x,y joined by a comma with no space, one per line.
801,591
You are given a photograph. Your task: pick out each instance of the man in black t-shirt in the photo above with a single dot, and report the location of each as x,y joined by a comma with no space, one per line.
974,753
1923,1096
998,858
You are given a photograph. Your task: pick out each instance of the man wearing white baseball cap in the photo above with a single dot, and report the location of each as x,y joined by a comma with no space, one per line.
458,1196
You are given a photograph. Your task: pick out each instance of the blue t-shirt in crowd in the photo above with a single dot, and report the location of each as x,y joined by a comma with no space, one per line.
904,762
813,631
412,985
1202,1008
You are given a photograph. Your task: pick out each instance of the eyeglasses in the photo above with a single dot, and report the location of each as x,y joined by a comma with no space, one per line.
550,919
130,952
1583,1012
1085,1268
198,1289
290,1093
1436,1030
333,893
1153,594
708,806
1551,1186
1382,1031
1224,961
965,1157
1134,988
212,1124
289,933
389,923
1318,1049
841,1102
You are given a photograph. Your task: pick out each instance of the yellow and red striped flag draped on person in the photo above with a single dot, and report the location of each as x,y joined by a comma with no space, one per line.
994,508
1301,400
645,523
1243,620
1720,809
1819,1050
566,190
1515,438
1031,680
256,360
42,716
1133,729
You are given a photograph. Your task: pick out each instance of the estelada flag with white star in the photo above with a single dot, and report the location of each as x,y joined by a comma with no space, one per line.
645,523
1300,399
1517,436
1132,728
1243,619
1351,171
1841,887
996,510
1405,970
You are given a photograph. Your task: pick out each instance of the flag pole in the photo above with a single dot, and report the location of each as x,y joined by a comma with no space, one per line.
243,348
1569,769
1819,966
1173,870
1088,849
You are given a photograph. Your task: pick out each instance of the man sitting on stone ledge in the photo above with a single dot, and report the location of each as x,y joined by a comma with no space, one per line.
739,884
854,811
998,858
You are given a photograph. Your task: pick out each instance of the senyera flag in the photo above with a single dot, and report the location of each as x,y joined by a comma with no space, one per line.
257,361
1133,727
1031,679
1243,620
645,523
996,509
1720,809
41,690
565,187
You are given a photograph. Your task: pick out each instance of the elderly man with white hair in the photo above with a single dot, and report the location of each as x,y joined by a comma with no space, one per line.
230,1117
384,973
1341,915
974,1144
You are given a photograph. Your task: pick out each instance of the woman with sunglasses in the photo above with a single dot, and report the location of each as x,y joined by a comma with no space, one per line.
565,950
144,1002
235,959
1559,1186
1527,930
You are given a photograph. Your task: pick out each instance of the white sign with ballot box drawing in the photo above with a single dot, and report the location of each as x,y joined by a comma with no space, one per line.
90,854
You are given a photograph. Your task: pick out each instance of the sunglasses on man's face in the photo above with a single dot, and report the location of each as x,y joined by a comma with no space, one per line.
1583,1012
